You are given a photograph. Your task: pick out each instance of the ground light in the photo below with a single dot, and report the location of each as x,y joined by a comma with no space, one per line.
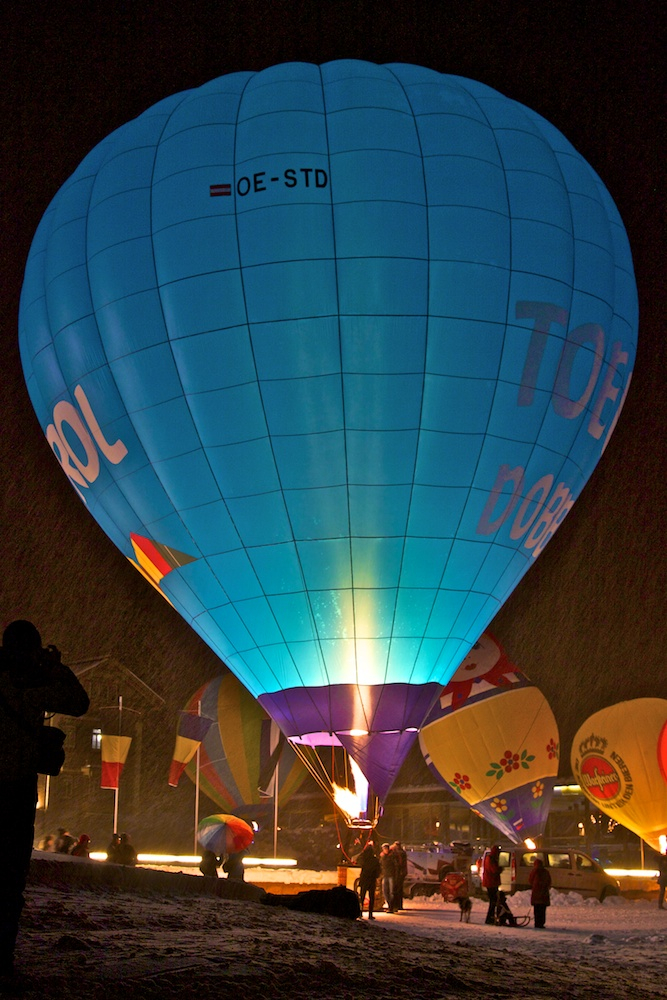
195,859
632,872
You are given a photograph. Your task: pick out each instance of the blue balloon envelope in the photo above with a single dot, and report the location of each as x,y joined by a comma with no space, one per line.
329,352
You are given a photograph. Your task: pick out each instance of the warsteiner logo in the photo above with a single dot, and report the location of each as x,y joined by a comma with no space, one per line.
603,774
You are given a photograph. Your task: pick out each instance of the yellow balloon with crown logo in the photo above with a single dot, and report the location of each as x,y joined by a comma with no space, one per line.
618,760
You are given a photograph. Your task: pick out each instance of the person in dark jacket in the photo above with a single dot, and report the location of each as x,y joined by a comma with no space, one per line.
209,864
368,876
64,841
401,873
491,872
32,681
540,883
125,853
662,880
234,866
389,866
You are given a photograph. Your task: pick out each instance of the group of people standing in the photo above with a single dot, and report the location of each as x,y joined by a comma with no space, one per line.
540,884
120,851
392,867
65,843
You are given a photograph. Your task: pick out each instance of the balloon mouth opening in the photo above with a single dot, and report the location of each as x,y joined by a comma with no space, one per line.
359,823
332,739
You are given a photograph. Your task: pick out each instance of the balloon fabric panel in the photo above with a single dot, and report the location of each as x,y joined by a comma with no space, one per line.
302,326
500,755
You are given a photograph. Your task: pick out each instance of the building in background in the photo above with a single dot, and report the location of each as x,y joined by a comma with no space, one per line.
120,704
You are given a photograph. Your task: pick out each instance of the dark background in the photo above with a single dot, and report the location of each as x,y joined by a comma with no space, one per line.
587,623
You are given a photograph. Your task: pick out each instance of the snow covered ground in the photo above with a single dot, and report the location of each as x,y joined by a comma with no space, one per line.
101,942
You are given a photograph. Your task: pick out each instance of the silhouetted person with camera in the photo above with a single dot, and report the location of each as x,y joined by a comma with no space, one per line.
32,681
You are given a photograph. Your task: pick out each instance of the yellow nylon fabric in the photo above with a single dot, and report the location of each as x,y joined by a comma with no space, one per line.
619,748
475,737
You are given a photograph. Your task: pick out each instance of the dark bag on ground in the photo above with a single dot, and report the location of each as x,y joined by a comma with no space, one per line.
336,902
50,750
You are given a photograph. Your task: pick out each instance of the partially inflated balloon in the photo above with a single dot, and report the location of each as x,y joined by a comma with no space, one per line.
493,740
330,352
239,755
618,760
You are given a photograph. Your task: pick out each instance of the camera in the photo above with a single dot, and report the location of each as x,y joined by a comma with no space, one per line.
50,656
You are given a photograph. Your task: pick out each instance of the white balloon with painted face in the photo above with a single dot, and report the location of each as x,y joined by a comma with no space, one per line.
482,657
493,741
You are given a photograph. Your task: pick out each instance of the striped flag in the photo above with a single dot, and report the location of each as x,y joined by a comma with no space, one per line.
220,190
190,732
114,755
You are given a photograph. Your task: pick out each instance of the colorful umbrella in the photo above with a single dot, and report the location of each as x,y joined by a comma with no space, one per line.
224,834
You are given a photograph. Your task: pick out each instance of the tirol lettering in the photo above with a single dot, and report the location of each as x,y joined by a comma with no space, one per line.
82,424
535,511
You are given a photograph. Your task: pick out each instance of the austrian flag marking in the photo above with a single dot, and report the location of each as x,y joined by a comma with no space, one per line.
220,190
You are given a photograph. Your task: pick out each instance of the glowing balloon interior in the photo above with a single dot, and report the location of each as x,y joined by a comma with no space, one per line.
330,352
236,766
492,739
618,760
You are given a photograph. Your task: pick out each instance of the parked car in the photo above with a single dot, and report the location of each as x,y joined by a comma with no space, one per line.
570,870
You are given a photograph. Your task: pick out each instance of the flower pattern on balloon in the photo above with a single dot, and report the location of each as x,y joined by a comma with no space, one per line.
538,790
500,805
461,781
509,762
552,749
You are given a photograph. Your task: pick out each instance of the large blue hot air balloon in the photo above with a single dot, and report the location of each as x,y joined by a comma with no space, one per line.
329,352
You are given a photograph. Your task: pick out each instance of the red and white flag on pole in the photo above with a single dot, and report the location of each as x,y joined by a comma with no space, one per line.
191,731
114,755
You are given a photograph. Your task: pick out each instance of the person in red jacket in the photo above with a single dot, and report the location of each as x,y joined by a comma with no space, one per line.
491,873
540,883
82,847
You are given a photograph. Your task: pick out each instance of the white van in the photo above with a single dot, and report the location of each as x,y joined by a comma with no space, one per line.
429,863
570,870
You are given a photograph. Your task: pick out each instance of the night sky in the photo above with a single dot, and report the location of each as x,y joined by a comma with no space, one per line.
587,623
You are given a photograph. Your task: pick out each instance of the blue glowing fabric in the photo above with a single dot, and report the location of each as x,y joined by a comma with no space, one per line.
329,352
